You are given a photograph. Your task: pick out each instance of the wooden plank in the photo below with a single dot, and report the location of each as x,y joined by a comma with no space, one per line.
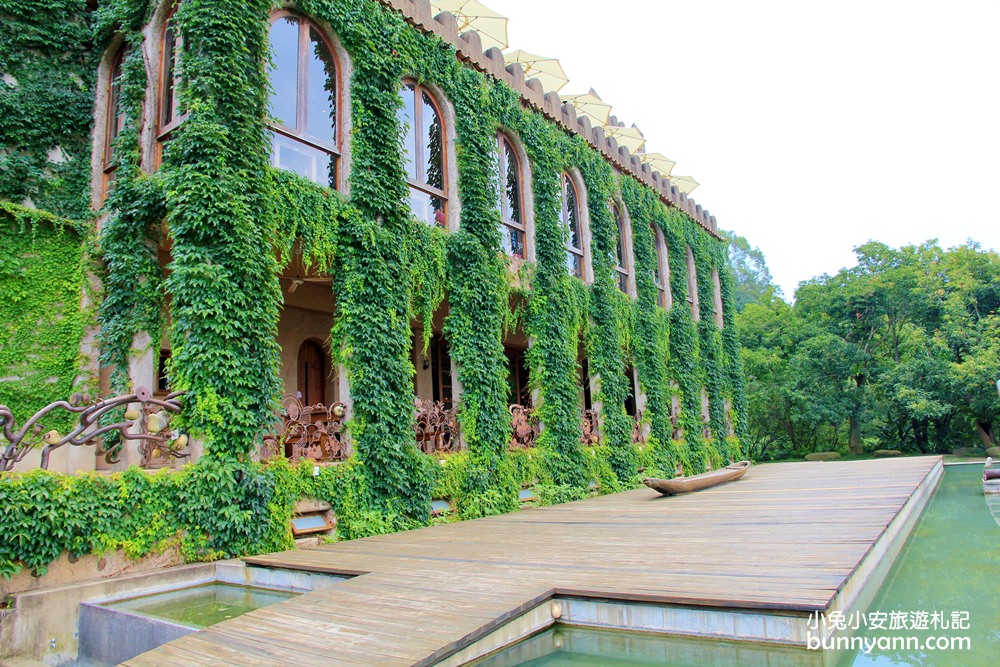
785,538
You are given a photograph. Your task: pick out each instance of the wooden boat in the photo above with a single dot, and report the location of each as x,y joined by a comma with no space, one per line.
672,487
991,479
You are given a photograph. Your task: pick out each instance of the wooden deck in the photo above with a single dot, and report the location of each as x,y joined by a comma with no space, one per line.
786,537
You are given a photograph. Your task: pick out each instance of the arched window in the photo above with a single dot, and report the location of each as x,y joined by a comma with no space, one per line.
621,258
511,198
661,272
571,219
304,100
170,116
115,114
424,153
692,295
717,298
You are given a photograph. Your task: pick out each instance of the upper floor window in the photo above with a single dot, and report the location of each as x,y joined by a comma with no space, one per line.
170,115
570,216
116,114
424,153
621,258
717,298
692,295
303,103
511,201
661,272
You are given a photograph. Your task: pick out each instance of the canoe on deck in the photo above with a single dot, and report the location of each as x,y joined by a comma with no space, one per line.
672,487
991,486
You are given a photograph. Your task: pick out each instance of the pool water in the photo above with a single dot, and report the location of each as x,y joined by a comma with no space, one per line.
947,573
202,606
949,566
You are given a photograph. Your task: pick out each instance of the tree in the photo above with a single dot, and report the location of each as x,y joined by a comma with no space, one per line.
752,279
904,348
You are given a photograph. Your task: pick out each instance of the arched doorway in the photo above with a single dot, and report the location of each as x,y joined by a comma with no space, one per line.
312,373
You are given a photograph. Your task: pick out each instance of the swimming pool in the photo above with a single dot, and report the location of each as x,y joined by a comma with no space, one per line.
936,607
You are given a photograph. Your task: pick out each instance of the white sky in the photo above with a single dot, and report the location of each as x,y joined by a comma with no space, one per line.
813,126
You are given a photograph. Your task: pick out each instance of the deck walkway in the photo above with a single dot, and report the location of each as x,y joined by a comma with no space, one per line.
786,537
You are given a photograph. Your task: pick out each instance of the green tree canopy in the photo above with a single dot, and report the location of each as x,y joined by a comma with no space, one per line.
902,349
752,281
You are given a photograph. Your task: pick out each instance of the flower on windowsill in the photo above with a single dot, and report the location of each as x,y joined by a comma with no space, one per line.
439,217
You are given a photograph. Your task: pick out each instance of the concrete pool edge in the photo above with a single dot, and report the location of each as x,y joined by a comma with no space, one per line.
761,626
862,585
44,624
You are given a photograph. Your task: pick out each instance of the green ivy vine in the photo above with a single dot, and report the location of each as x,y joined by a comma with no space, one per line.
233,223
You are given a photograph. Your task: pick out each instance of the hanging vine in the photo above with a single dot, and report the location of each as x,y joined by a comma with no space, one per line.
233,222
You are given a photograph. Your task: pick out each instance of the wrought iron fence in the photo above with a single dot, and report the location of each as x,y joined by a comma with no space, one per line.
314,432
524,427
436,427
591,432
146,421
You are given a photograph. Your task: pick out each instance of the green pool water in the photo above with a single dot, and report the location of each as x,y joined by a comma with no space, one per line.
202,606
949,570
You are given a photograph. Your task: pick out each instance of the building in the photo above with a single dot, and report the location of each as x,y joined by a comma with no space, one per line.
382,218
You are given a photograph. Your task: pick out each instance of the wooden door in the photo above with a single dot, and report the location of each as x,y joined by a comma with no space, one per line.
312,373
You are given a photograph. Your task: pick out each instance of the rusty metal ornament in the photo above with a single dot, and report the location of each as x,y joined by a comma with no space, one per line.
524,427
316,432
436,427
590,429
639,435
88,429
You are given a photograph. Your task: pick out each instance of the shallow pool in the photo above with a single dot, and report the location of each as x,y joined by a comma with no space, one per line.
938,607
202,606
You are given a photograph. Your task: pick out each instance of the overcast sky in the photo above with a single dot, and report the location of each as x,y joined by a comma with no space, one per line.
812,126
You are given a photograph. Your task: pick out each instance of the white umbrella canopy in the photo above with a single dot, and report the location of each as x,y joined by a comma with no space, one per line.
590,105
684,183
629,137
658,162
491,26
548,71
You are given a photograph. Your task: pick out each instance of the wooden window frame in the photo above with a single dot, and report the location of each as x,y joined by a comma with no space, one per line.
692,285
717,298
622,266
505,218
664,298
419,159
567,183
302,93
114,122
169,118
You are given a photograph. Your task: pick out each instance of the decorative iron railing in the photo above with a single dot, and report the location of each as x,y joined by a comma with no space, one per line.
314,432
436,427
524,427
591,432
148,423
639,434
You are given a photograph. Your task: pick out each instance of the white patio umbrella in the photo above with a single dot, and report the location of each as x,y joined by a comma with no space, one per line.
658,162
629,137
684,183
548,71
491,26
590,105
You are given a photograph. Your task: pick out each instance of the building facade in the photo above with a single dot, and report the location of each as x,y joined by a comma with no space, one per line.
351,205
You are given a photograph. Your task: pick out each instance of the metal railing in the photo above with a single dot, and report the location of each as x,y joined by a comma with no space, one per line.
146,421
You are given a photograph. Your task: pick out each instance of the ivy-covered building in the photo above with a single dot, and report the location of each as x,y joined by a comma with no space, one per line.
348,202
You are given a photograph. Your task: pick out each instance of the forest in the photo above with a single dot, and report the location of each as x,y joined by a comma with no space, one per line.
900,352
